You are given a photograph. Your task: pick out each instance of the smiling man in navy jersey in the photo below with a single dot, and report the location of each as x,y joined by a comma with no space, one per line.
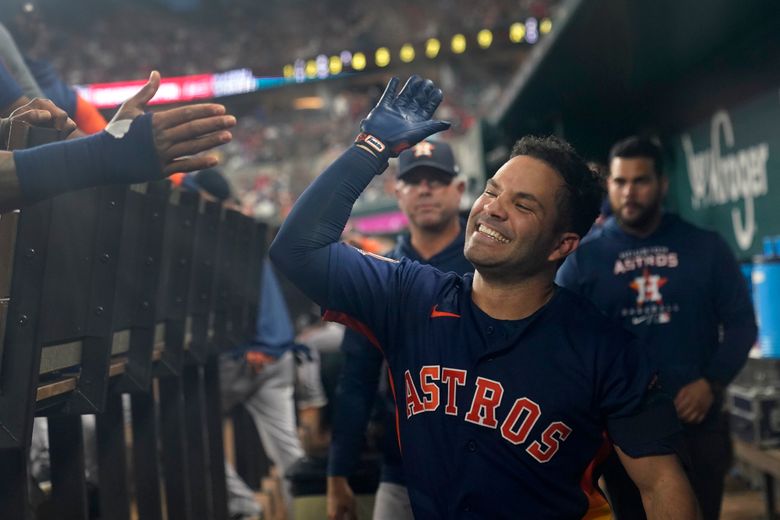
504,383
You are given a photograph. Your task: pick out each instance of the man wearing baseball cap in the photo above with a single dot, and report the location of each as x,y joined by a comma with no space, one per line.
210,183
429,192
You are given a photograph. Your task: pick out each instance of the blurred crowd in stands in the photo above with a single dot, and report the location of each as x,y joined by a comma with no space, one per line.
277,150
112,41
276,153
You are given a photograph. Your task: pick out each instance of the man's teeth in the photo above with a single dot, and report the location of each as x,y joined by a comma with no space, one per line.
492,233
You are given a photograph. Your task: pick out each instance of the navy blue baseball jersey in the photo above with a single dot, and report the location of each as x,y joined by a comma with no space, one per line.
494,416
496,419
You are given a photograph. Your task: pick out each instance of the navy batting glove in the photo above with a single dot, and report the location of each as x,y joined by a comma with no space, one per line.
400,121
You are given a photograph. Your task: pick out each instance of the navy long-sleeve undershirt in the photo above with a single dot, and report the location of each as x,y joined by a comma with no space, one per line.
301,248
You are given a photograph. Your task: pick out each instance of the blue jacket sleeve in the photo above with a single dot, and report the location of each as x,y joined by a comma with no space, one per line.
52,85
734,311
356,394
302,248
274,333
9,89
14,62
568,274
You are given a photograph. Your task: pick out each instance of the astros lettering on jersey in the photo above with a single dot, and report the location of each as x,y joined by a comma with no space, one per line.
514,410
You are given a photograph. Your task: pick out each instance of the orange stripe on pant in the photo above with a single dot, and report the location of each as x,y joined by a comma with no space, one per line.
598,507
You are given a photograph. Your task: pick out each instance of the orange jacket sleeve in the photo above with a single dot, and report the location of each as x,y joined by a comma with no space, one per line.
88,119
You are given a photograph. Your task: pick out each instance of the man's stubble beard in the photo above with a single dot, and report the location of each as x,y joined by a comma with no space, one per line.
438,225
643,219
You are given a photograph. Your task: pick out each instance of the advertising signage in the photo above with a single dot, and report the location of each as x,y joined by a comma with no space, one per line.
725,173
179,89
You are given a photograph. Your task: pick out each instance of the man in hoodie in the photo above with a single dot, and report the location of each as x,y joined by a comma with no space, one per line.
428,191
679,289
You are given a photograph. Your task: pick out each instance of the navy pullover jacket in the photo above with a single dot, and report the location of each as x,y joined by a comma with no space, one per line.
679,290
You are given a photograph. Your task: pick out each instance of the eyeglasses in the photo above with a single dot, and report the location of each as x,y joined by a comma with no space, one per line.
432,181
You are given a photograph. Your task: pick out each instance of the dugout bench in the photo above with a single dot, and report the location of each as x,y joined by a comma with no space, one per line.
121,291
766,462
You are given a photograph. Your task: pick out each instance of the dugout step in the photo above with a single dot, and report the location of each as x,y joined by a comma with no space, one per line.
308,478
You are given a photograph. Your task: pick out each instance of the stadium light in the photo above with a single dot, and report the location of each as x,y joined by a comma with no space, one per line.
308,103
382,57
311,69
432,48
458,44
531,30
335,65
322,66
516,32
300,73
485,38
528,31
407,53
358,61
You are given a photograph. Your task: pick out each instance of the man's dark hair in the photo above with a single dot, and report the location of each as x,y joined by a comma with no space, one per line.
639,147
578,204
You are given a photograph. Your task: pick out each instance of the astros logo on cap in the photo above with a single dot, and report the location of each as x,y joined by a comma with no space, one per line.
423,149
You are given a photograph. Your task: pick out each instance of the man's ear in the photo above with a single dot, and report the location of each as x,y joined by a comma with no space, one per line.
567,243
461,187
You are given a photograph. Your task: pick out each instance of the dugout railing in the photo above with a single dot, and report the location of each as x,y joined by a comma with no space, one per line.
114,295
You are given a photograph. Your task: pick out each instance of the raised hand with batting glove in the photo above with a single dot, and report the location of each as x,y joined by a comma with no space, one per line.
400,121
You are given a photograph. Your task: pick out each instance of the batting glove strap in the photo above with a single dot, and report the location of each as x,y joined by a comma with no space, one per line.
373,144
377,152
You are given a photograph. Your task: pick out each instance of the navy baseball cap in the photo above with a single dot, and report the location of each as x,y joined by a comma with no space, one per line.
211,181
433,154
